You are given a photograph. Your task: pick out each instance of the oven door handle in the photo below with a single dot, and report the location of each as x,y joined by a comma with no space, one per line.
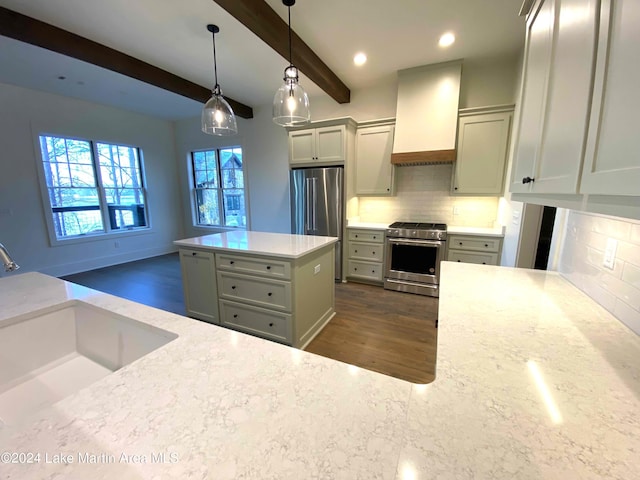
409,242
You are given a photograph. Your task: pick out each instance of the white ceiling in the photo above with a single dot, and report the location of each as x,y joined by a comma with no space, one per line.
172,35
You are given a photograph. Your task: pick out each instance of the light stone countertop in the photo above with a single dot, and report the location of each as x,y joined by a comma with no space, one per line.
368,225
534,381
487,232
281,245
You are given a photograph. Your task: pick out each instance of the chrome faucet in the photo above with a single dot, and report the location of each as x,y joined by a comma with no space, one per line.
9,264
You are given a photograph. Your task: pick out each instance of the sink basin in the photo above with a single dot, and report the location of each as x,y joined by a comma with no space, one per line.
46,356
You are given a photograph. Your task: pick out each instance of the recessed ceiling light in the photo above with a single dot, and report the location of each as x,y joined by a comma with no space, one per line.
447,39
360,59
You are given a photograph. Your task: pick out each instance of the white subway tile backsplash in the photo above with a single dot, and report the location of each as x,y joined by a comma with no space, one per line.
627,315
423,195
617,290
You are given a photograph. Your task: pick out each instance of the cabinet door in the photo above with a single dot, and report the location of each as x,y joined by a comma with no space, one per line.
374,171
330,144
534,85
568,97
199,285
612,164
482,153
302,146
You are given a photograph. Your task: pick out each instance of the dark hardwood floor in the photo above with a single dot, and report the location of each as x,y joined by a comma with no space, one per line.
389,332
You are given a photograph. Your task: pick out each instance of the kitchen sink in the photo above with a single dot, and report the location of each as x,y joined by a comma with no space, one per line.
48,355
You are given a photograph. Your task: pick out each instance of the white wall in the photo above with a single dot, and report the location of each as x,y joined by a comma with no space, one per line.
24,114
581,257
492,81
266,160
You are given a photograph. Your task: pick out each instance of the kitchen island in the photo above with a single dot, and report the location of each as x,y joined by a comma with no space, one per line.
534,381
273,285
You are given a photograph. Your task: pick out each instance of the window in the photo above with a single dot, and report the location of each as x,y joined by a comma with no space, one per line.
92,187
218,183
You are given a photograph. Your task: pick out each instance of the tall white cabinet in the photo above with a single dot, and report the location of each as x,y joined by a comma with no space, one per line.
576,145
612,161
373,169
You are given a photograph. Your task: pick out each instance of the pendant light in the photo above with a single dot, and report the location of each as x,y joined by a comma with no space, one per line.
291,103
217,115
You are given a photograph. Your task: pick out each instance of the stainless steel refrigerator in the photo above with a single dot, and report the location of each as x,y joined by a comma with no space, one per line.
317,196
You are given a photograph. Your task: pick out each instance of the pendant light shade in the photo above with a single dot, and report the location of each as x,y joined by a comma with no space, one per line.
291,102
217,115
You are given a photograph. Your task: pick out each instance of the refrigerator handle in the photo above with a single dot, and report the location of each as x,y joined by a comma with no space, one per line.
307,204
315,204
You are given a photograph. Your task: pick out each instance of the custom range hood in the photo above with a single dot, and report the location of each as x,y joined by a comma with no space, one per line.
427,114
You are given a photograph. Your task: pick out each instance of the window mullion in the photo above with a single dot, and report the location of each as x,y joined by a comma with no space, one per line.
102,197
222,217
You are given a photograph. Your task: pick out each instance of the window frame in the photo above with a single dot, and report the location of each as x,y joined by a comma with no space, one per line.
220,189
107,232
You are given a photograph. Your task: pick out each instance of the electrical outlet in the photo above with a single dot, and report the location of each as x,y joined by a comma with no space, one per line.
316,269
456,210
116,244
609,259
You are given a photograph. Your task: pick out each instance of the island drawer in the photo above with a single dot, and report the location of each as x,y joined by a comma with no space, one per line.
472,257
485,244
262,292
365,251
365,270
258,321
254,265
370,236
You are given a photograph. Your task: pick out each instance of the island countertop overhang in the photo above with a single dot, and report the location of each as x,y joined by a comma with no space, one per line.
281,245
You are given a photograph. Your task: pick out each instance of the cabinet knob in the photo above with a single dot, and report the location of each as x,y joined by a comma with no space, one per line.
355,251
235,315
269,294
193,253
373,271
271,324
484,263
486,245
268,267
388,189
356,236
460,243
528,180
458,261
455,188
231,262
233,287
355,269
374,237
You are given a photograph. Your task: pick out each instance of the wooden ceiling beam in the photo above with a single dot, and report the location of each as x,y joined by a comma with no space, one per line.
35,32
263,21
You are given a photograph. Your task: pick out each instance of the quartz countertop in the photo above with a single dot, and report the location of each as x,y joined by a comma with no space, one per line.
368,225
263,243
534,380
487,232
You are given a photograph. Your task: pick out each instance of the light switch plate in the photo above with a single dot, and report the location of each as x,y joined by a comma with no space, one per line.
316,269
609,259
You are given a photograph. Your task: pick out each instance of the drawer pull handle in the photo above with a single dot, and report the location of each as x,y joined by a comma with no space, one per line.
484,263
355,269
233,287
458,260
356,251
231,262
356,236
235,315
374,237
193,253
460,243
526,180
486,245
269,294
373,253
268,267
373,271
271,324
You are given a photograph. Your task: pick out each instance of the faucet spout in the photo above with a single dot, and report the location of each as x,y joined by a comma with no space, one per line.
9,264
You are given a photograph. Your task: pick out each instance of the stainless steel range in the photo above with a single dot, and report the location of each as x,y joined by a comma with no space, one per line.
413,255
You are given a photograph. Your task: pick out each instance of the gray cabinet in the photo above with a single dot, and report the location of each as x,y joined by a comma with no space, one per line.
199,284
365,262
322,145
374,171
479,249
483,143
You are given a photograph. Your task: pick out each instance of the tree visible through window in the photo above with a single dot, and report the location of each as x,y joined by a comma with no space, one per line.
218,182
92,187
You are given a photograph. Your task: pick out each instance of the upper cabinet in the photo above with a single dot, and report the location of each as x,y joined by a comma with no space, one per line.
374,171
322,145
612,163
555,100
577,134
483,143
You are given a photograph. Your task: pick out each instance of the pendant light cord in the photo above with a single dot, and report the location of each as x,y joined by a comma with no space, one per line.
290,55
215,65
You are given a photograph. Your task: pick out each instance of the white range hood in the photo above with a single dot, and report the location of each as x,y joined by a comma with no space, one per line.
427,114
